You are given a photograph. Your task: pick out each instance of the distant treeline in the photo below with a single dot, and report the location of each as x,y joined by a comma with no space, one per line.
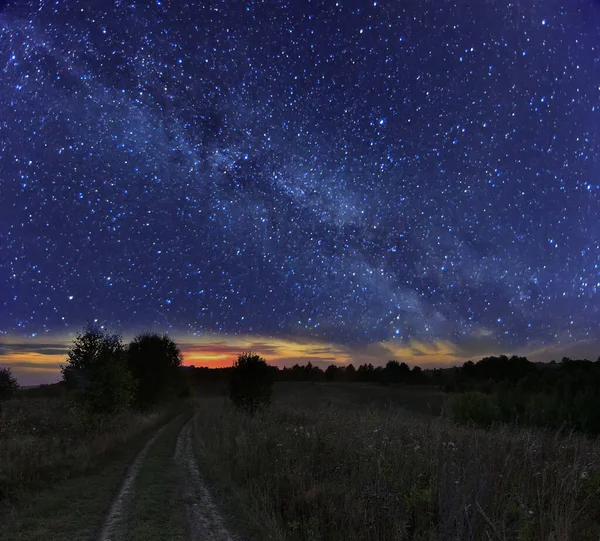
392,372
559,395
481,376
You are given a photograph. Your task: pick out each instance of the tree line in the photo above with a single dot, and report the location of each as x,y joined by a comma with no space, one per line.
104,375
558,395
561,395
392,372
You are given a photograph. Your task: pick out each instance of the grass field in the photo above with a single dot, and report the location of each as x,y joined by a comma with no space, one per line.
426,401
325,462
60,469
345,462
44,439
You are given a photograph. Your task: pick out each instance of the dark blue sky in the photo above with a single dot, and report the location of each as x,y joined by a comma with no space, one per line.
341,172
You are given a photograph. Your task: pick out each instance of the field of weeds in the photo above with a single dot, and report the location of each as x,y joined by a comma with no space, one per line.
45,439
330,473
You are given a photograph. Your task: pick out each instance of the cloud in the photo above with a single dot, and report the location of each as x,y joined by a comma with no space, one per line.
222,350
33,347
43,367
320,351
33,363
214,348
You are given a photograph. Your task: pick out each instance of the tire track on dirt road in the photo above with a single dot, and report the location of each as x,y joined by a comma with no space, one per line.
204,519
117,513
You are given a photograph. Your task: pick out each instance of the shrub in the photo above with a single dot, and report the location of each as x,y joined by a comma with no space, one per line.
97,373
155,363
8,384
251,383
476,407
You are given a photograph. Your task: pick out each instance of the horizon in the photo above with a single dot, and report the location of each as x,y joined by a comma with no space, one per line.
35,362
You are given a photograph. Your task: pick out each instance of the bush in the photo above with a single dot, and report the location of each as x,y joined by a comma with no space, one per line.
97,372
155,363
476,407
251,383
8,384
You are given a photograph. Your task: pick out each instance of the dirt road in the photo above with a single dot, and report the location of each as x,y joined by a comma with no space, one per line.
118,510
204,520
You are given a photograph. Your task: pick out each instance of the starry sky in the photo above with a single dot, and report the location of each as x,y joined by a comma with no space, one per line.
336,180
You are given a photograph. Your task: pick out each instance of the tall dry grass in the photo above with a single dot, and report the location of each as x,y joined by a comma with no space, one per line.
44,438
324,473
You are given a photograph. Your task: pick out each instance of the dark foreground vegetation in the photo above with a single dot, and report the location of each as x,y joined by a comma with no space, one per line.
110,395
323,470
46,439
302,453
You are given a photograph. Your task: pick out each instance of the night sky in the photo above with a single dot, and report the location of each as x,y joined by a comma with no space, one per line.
347,180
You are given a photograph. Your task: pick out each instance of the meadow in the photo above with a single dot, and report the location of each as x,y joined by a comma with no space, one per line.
334,462
43,438
325,461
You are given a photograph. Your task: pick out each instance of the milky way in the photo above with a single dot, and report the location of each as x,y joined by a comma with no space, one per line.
345,171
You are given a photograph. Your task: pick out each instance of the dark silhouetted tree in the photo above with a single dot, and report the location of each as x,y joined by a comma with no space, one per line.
396,372
155,362
350,372
333,372
308,372
8,384
417,375
297,372
97,372
313,373
251,382
366,372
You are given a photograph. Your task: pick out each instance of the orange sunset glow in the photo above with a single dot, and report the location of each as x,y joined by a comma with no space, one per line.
35,360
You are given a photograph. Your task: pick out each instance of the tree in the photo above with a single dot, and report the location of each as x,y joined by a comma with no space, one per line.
8,384
332,372
97,373
308,372
251,382
396,372
350,372
155,362
365,372
416,375
313,373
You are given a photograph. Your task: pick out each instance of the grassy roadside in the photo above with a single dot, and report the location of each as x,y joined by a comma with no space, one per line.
71,502
72,509
156,514
45,440
243,507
